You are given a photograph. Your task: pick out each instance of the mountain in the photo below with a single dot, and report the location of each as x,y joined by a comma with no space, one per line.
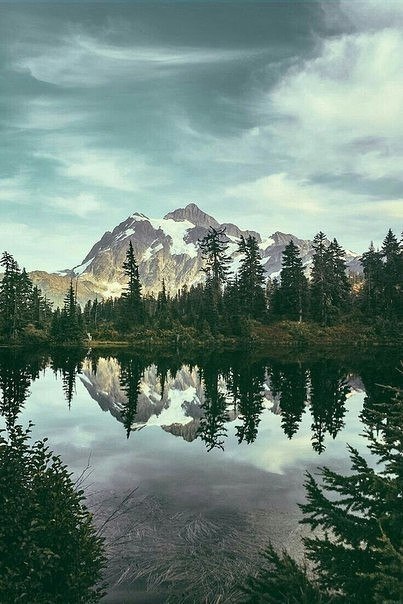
165,248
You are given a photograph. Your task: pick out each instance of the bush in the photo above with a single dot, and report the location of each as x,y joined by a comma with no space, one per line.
49,550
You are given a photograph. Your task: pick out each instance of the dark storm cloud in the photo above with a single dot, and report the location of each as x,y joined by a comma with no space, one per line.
107,108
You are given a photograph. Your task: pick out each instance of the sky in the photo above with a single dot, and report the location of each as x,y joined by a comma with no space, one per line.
273,115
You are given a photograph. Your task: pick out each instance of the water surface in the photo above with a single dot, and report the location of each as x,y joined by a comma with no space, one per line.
193,466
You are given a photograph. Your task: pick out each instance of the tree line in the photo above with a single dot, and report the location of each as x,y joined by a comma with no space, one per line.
225,302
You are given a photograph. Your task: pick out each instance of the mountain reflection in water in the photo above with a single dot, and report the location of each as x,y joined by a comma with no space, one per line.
216,448
208,399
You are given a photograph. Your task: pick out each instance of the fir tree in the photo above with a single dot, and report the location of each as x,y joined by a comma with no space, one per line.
15,292
132,307
251,279
339,282
214,247
274,299
392,274
320,291
293,291
358,555
372,294
67,324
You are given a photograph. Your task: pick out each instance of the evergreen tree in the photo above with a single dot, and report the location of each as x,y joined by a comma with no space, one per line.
330,287
339,282
251,279
162,308
274,299
214,247
132,307
372,294
293,291
358,553
320,281
392,274
67,324
15,298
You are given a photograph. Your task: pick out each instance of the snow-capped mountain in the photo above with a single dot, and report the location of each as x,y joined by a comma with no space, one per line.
165,248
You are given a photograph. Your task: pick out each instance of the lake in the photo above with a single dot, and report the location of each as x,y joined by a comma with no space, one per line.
192,465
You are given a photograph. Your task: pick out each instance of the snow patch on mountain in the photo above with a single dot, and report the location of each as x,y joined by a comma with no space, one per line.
79,270
177,231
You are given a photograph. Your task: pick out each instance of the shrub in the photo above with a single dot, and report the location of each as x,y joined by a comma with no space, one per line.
49,549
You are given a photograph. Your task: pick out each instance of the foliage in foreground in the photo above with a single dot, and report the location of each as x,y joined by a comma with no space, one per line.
358,557
49,550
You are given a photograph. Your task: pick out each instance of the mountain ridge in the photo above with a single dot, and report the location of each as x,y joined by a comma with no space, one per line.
166,249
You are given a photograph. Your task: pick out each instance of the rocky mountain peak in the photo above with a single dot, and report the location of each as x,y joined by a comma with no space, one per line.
192,213
280,238
165,248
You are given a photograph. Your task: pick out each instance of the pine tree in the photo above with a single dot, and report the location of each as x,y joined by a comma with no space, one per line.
392,274
273,299
358,554
372,294
320,290
251,279
214,247
67,324
330,287
132,306
9,300
162,311
21,304
293,291
339,282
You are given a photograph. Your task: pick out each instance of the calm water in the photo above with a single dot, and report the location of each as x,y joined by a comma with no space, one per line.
196,466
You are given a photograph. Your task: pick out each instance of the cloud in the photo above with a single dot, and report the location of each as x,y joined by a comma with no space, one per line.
47,114
341,112
80,205
83,61
304,207
373,14
280,192
13,190
78,158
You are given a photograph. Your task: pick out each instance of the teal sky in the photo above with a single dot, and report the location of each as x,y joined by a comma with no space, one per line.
274,115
